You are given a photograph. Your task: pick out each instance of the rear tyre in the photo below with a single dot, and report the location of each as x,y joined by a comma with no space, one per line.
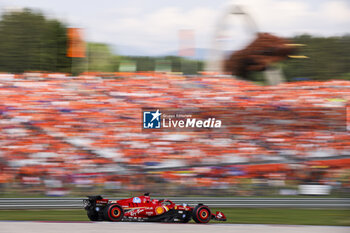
201,214
113,212
92,215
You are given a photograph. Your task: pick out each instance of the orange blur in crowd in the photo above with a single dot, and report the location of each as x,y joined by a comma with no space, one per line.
85,131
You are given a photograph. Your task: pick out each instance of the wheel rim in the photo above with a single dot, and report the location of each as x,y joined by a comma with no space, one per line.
203,214
115,212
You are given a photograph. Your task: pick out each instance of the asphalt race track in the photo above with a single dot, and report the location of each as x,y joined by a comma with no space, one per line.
106,227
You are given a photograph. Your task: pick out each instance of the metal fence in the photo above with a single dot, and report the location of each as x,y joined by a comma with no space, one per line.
76,203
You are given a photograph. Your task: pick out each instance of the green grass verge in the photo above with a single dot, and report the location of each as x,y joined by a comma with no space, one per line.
44,215
234,215
337,217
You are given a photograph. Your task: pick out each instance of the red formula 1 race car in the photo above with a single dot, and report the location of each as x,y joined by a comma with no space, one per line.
145,209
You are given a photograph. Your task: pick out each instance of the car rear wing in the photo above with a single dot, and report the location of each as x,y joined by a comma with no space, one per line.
94,201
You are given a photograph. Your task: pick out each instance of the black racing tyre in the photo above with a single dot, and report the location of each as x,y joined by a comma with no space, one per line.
113,212
201,214
92,215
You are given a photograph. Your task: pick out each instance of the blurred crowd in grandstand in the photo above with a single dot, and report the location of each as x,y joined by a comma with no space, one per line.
63,135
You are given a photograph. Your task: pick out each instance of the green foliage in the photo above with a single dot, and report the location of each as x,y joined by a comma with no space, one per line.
29,41
345,76
100,57
329,58
178,64
143,63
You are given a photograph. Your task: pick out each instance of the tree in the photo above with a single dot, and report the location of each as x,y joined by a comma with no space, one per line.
29,41
100,57
329,58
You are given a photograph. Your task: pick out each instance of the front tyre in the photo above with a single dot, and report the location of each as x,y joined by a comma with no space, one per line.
201,214
113,212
